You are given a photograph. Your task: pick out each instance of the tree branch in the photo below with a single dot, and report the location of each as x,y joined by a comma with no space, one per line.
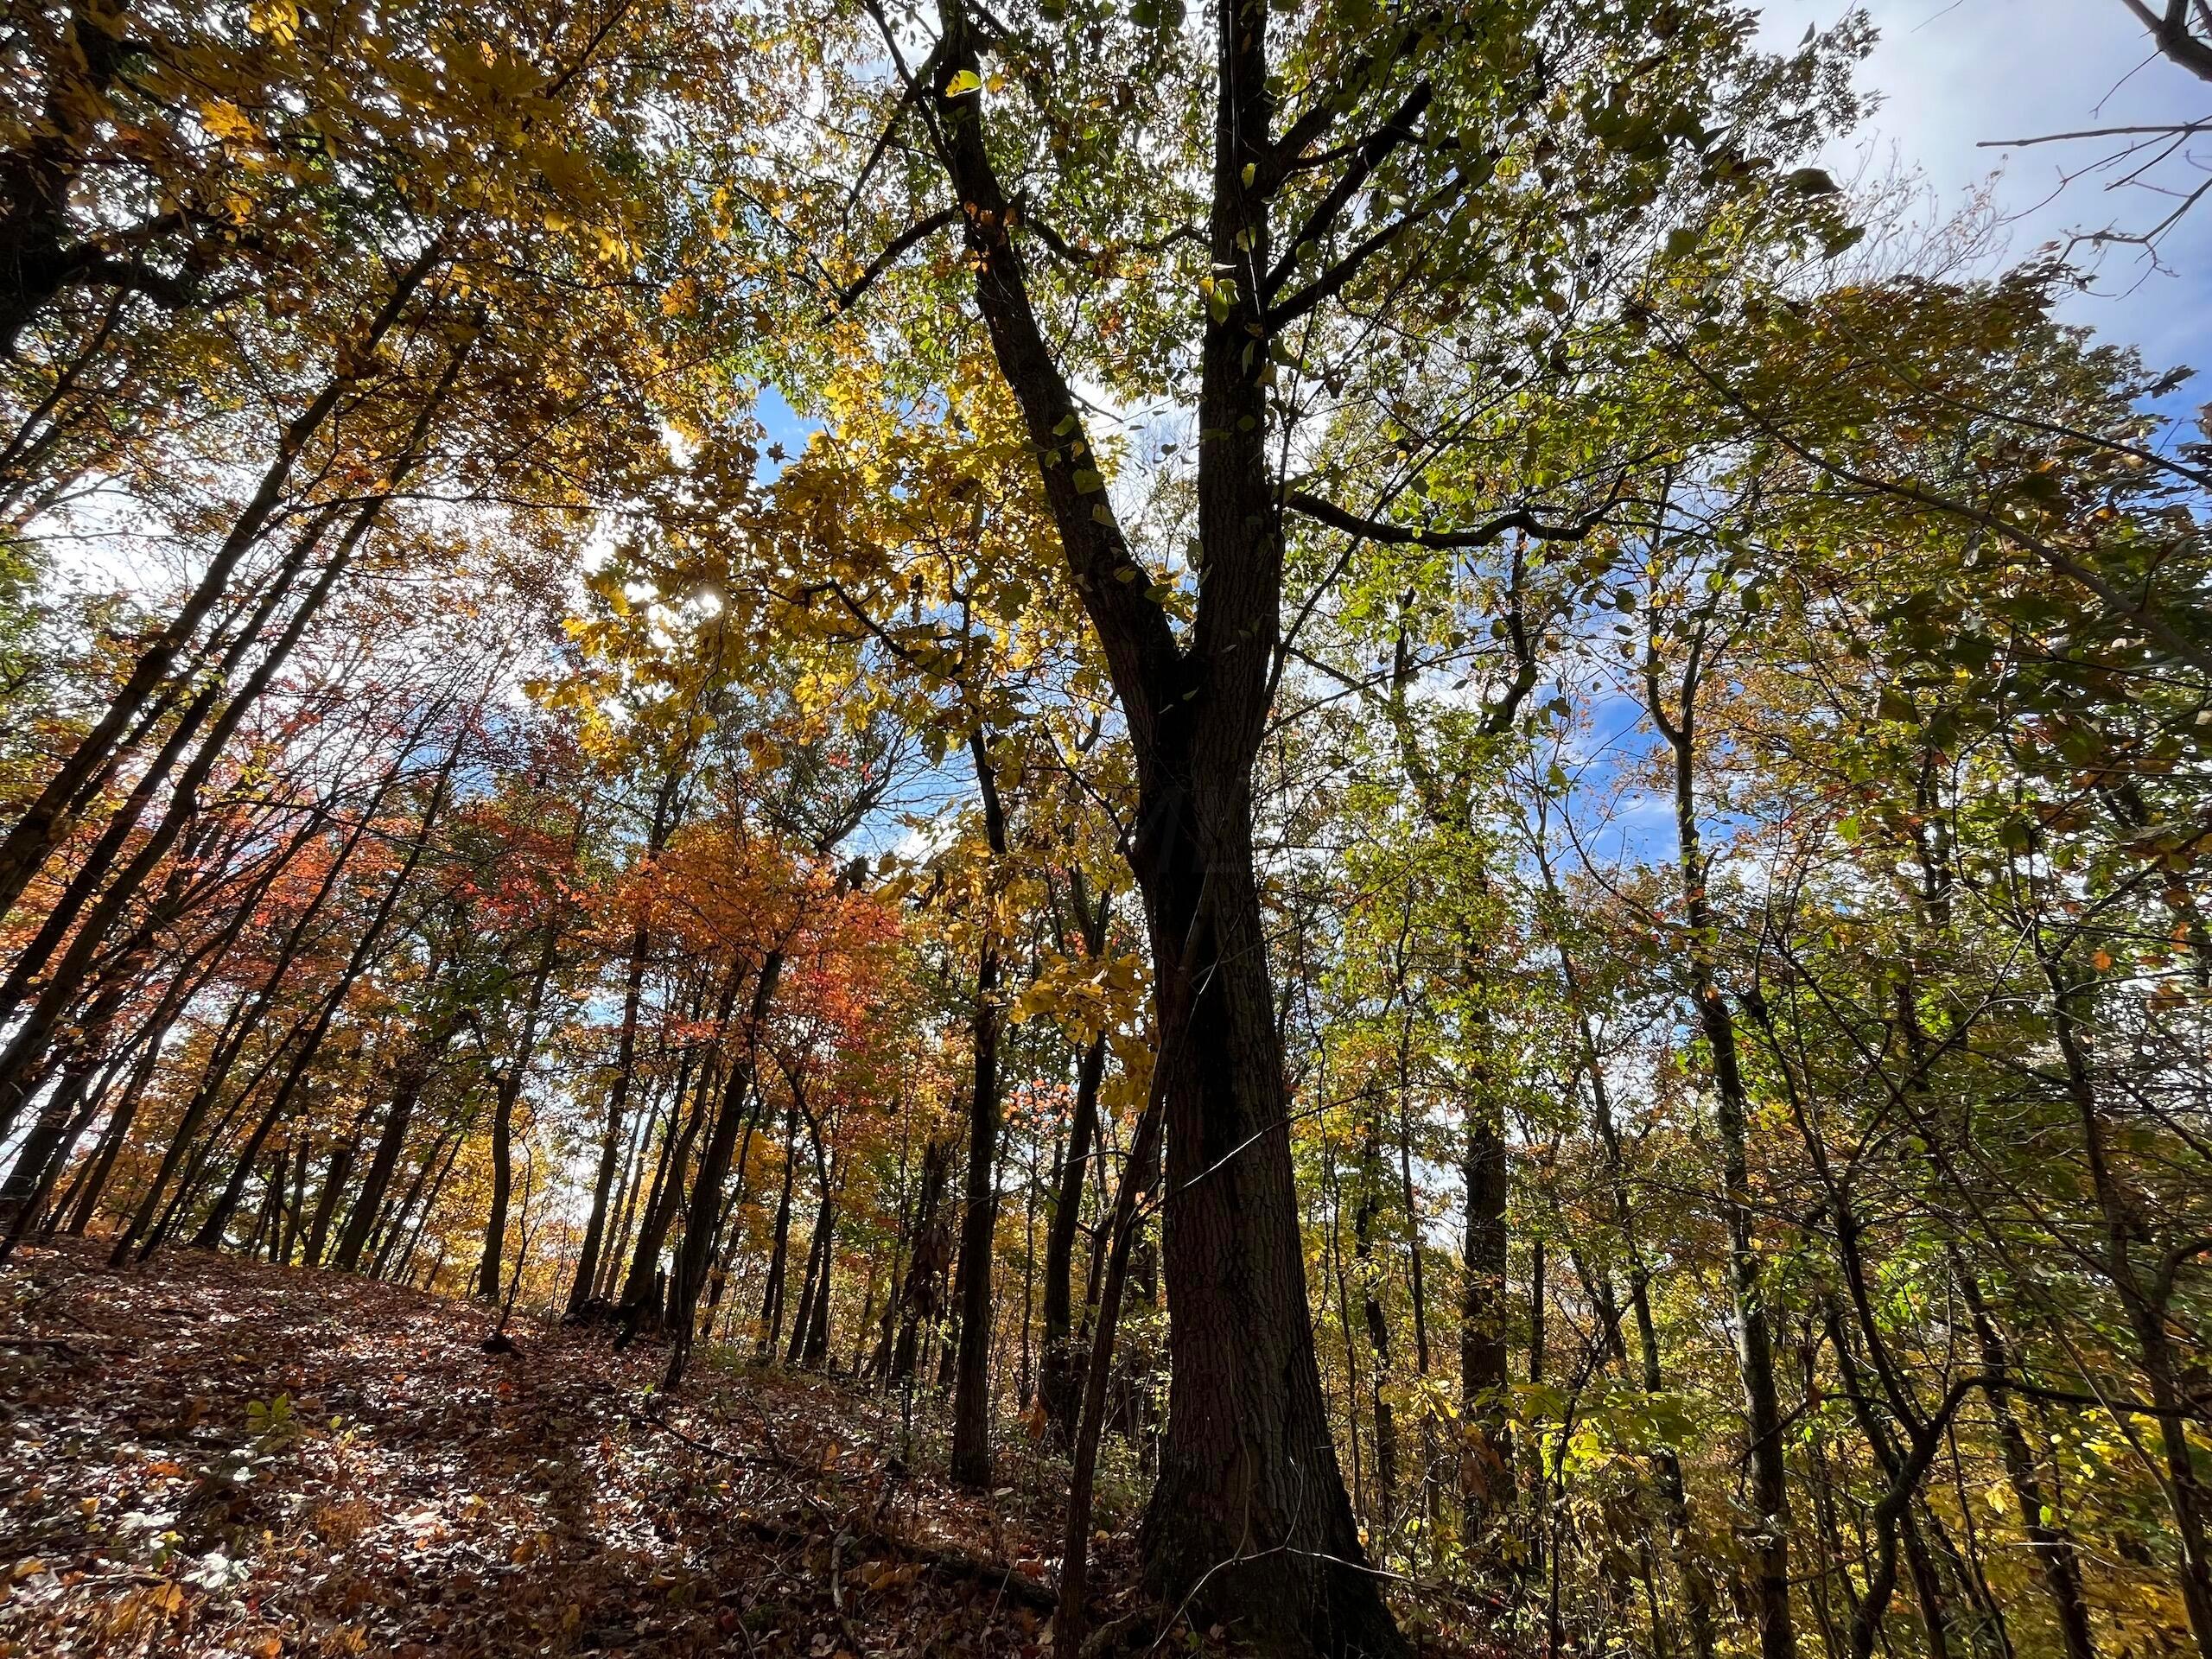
915,233
1523,520
1370,154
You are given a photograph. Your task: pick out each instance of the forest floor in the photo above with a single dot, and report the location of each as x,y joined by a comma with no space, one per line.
207,1455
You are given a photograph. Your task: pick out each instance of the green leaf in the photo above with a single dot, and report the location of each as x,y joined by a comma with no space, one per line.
1810,181
963,83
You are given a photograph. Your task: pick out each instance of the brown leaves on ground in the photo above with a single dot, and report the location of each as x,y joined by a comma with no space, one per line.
211,1457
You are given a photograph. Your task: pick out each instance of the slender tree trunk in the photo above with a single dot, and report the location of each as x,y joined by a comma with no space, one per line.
625,1053
1364,1214
1074,1553
2144,1296
29,1041
971,1422
83,1199
919,1296
183,988
295,1211
45,821
1061,1376
335,1177
1697,1587
1488,1482
412,1076
771,1292
510,1089
703,1220
404,1272
640,1299
1770,1490
85,881
2052,1544
617,1241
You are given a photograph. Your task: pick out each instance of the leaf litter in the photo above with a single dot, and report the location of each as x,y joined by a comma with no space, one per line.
217,1459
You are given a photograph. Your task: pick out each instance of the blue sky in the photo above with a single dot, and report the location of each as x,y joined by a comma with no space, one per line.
1952,74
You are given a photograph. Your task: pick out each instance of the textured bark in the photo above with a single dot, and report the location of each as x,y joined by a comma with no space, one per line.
1248,1517
1488,1480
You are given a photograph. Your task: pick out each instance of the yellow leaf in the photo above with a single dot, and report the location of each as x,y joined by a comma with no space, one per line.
228,122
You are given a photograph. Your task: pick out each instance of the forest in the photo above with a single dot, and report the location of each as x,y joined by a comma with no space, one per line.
1335,828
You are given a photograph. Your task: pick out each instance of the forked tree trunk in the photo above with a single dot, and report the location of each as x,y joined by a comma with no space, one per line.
1249,1519
488,1272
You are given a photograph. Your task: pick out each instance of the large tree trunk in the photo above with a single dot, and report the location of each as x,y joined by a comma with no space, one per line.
1249,1465
1248,1517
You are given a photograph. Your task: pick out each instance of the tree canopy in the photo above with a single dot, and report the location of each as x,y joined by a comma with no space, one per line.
1348,764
